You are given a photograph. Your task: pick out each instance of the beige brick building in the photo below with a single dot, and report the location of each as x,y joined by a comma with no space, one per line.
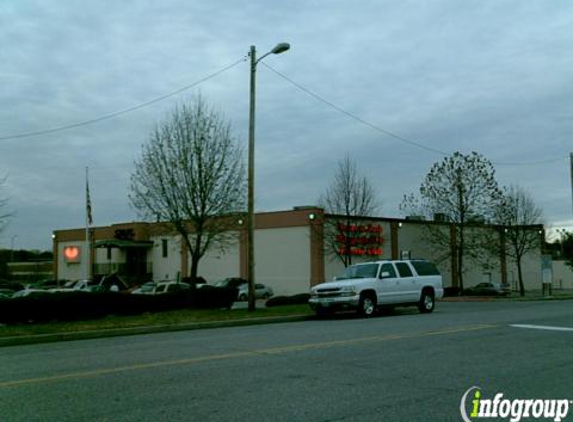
290,252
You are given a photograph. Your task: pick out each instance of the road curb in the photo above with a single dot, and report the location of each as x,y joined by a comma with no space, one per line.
130,331
464,299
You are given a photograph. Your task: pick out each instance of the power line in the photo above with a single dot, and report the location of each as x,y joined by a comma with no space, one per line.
120,112
529,163
353,116
391,134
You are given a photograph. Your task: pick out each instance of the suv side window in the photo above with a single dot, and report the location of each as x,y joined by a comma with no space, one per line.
425,268
404,269
388,268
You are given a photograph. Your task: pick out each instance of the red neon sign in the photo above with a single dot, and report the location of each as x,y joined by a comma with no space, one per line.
359,239
360,251
72,253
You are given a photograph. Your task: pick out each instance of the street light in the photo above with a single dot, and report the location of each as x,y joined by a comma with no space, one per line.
279,48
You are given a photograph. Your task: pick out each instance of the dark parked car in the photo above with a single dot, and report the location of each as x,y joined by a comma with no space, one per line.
10,285
48,284
6,293
162,287
488,289
234,282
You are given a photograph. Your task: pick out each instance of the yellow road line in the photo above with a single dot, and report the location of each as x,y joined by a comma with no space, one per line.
245,354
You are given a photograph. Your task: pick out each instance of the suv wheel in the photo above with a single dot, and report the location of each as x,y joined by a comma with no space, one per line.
367,305
427,302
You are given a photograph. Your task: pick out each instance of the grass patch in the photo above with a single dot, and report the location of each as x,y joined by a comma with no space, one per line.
557,294
150,319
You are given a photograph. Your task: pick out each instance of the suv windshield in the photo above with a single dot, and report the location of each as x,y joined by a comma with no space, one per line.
359,271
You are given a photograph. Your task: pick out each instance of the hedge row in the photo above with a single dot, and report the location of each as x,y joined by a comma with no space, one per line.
451,291
300,299
72,306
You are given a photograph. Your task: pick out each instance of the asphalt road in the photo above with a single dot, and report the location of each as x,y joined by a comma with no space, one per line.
399,367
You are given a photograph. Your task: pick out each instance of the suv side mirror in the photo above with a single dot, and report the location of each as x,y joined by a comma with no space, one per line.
385,274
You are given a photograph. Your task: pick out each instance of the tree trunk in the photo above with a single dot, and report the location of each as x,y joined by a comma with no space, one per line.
520,277
194,266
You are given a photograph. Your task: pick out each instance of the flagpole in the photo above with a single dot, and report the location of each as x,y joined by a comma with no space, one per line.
88,221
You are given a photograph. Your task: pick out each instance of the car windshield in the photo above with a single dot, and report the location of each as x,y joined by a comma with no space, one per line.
359,271
147,287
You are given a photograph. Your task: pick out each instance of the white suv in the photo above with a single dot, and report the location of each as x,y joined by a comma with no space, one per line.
366,286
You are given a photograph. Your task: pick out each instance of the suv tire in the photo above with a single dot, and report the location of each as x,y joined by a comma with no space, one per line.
367,305
427,301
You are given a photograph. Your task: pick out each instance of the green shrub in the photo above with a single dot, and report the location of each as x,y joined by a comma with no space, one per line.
73,306
451,291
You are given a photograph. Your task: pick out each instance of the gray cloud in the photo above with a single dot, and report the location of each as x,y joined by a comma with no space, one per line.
488,76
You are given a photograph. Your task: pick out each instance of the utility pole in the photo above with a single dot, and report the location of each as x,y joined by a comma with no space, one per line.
278,49
251,179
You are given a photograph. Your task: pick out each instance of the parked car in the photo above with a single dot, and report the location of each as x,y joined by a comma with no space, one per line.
78,286
30,292
6,293
145,289
48,284
488,289
261,291
162,287
9,285
235,282
171,287
199,282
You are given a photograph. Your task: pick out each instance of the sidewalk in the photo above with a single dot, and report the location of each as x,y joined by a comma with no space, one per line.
530,295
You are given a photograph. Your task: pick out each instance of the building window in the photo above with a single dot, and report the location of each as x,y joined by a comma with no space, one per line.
164,248
109,254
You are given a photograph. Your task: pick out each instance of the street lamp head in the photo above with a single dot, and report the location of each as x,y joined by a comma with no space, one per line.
280,48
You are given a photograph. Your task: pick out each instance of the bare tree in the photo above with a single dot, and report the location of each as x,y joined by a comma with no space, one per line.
349,197
519,215
191,175
461,190
566,246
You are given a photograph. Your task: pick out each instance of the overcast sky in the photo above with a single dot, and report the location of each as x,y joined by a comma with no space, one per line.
490,76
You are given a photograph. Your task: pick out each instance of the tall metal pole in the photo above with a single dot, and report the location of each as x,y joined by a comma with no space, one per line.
278,49
251,182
